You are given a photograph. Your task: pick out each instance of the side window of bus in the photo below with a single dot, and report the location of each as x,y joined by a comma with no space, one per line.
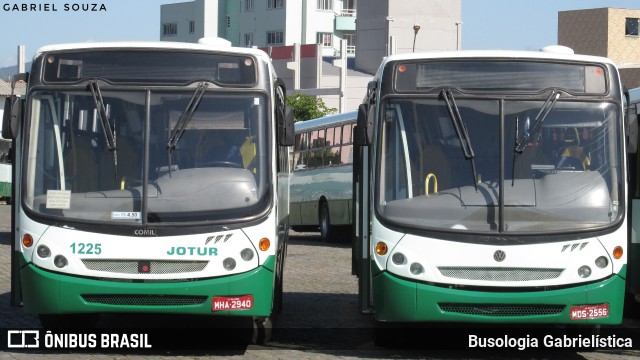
346,154
316,143
332,154
300,147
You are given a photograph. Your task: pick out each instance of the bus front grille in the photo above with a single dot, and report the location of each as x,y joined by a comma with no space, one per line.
499,274
144,300
153,266
502,310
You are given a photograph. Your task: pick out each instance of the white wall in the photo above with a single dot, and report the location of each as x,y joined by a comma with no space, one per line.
371,32
294,22
179,13
205,14
379,19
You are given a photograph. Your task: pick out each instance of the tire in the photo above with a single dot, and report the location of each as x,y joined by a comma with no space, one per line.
279,283
262,330
326,230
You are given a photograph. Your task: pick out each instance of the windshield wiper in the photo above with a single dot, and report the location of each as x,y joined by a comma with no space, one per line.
523,140
461,131
185,117
108,131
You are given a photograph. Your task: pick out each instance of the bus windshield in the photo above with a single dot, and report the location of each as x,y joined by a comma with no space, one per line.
565,177
164,158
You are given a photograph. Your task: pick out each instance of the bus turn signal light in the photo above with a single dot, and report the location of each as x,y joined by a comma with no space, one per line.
617,252
381,248
265,244
27,240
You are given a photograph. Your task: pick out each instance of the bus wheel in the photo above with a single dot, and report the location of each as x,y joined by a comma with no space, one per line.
278,287
262,329
326,231
67,321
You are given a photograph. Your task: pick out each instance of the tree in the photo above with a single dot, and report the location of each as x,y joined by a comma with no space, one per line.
307,107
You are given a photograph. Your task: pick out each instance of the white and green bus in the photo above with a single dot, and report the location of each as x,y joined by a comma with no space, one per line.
492,188
321,187
151,178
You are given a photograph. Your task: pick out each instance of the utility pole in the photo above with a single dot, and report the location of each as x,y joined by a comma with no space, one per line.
21,59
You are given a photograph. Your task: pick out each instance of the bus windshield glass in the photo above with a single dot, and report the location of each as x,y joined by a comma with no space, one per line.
566,176
161,160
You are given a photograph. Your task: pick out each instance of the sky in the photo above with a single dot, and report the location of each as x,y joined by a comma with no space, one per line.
487,24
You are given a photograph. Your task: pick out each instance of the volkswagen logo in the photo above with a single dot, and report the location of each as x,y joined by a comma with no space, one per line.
499,255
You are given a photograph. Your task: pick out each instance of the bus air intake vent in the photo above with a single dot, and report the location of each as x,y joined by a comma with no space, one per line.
502,310
499,274
154,266
144,300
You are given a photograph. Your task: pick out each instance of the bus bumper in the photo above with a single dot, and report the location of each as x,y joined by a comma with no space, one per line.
45,292
399,300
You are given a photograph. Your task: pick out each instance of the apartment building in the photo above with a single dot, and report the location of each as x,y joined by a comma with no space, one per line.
609,32
263,22
319,26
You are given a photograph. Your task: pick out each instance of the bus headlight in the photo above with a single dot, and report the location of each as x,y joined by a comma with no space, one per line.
602,262
398,258
584,271
229,264
416,269
246,254
43,251
60,261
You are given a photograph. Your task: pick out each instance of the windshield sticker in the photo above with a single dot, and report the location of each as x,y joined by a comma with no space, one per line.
126,215
256,101
58,199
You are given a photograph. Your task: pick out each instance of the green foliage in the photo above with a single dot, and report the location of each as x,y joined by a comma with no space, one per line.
307,107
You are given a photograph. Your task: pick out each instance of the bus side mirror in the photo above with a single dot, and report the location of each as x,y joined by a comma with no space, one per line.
13,107
284,116
364,127
632,130
11,116
285,126
631,123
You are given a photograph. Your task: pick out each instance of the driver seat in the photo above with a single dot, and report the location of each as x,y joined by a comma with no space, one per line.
573,155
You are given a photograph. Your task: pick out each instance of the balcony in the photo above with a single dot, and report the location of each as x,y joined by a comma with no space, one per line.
346,20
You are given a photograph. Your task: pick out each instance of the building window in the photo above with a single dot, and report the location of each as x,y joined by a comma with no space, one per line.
631,27
351,43
274,38
275,4
192,27
170,29
228,21
325,4
248,39
248,5
325,39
